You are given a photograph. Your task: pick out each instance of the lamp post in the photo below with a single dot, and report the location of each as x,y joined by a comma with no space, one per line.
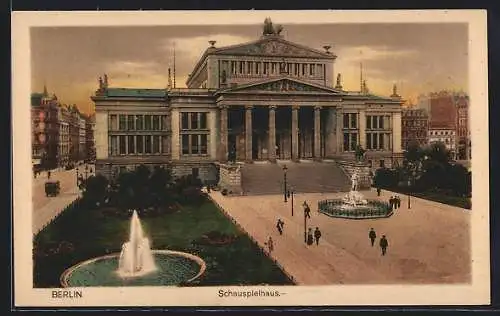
290,195
305,206
284,182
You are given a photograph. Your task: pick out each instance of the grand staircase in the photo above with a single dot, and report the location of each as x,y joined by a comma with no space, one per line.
306,177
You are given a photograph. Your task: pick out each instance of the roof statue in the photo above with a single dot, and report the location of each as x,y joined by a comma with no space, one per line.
339,82
270,29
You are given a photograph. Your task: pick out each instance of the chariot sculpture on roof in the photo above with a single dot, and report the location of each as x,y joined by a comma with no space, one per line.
270,29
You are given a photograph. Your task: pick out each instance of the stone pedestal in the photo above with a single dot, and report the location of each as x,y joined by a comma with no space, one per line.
230,178
362,169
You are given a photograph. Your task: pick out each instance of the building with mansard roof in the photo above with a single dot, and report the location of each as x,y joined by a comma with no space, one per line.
257,103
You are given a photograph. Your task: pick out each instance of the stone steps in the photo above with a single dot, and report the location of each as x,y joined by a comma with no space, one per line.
259,179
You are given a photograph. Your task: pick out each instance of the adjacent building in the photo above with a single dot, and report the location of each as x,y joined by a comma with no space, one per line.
445,135
82,139
89,136
266,100
45,129
415,124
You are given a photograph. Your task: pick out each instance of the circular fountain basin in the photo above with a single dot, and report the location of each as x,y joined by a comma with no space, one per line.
338,208
172,268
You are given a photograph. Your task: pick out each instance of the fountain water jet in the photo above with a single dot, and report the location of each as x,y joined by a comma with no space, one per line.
136,257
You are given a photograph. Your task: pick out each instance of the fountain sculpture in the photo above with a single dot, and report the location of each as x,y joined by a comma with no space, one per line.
136,257
136,264
354,205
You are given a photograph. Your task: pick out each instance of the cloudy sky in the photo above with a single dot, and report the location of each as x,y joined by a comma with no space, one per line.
419,58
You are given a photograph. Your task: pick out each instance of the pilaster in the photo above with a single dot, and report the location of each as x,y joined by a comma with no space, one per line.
295,132
248,133
317,132
272,134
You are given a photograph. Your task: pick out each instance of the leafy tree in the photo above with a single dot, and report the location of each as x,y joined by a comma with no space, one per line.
160,183
437,152
385,178
414,152
95,190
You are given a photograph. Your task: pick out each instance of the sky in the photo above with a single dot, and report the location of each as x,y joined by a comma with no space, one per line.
417,57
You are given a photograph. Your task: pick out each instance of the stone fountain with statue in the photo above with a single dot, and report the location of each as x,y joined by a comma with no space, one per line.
354,205
137,264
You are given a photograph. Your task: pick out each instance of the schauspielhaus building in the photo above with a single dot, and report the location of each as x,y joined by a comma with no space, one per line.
257,102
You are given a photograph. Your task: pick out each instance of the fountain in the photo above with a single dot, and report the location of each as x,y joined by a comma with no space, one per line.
136,264
136,257
354,205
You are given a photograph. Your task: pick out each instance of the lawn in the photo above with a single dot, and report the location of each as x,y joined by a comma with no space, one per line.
91,233
436,196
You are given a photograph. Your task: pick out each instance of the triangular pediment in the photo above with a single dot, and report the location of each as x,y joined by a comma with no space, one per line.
273,46
283,85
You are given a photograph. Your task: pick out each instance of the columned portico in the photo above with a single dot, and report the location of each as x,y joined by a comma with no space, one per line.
272,134
295,132
248,133
317,134
223,133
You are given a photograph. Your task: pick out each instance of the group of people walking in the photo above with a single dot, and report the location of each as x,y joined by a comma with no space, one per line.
395,202
311,236
383,243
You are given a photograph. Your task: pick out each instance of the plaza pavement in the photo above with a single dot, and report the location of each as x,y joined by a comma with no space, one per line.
45,209
428,244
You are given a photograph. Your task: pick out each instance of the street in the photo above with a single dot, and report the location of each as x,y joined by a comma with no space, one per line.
46,208
427,244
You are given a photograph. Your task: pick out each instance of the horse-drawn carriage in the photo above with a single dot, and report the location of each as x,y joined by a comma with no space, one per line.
52,188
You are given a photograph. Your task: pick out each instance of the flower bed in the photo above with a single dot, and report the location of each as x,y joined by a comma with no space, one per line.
336,208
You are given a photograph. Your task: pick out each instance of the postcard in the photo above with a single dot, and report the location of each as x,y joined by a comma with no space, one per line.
250,158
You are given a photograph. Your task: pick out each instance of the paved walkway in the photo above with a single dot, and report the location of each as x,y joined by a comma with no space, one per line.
427,244
45,209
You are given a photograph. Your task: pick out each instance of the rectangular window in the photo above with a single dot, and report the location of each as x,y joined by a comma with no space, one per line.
346,141
257,68
194,144
375,122
346,120
123,122
130,122
249,67
354,120
114,145
164,122
368,141
147,122
194,120
140,144
381,122
203,144
184,120
382,163
122,145
147,144
156,122
156,144
354,141
375,141
381,141
241,67
368,122
139,122
131,145
203,120
113,122
185,144
165,146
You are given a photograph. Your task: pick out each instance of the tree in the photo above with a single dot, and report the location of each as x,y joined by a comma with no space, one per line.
385,178
160,183
413,152
437,152
95,190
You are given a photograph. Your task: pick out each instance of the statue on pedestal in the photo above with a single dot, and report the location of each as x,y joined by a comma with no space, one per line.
354,182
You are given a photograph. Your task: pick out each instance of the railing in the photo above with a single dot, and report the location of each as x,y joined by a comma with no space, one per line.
374,209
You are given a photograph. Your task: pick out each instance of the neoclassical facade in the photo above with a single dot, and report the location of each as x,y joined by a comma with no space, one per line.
266,100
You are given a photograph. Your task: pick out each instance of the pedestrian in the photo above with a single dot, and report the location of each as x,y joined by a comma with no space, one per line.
307,210
310,239
383,245
392,202
398,201
372,235
48,174
378,191
395,201
279,226
317,235
270,244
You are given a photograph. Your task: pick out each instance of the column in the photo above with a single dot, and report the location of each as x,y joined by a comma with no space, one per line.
248,133
272,134
396,132
362,128
175,138
317,132
295,132
135,144
223,133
